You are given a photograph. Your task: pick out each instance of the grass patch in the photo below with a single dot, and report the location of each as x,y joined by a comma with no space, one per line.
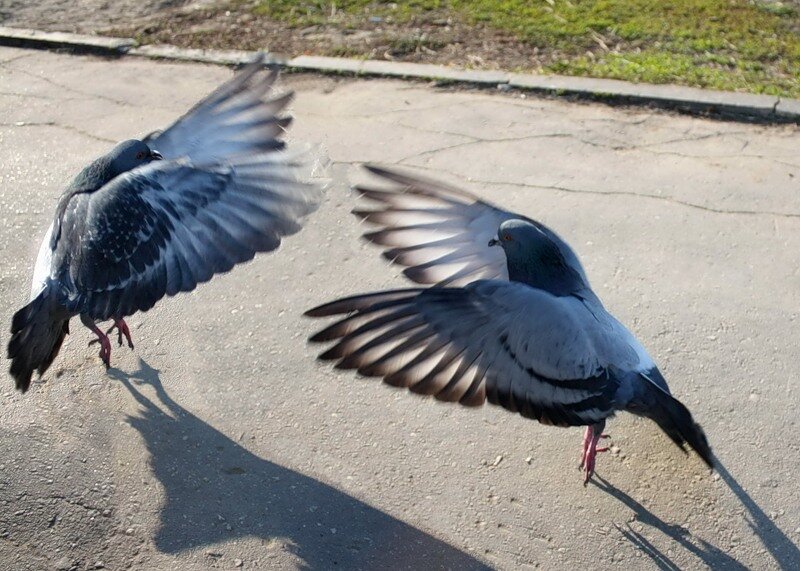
720,44
742,45
317,12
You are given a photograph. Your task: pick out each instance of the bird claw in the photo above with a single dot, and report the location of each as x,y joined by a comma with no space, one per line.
105,350
108,331
119,335
590,451
122,330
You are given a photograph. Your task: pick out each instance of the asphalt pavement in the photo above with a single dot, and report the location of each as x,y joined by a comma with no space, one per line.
220,442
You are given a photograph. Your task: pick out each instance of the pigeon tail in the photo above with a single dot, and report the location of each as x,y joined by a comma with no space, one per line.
673,418
37,332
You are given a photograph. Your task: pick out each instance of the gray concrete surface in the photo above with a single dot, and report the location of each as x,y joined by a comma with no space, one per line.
221,442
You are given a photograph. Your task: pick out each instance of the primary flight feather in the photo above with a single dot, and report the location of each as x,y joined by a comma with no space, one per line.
512,320
157,216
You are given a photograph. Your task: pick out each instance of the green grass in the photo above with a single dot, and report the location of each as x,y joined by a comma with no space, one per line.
312,12
723,44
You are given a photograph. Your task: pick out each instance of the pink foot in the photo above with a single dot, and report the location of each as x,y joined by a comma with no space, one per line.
105,345
591,437
122,329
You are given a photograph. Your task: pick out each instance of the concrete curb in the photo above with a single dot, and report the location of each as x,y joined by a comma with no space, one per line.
100,45
722,104
217,57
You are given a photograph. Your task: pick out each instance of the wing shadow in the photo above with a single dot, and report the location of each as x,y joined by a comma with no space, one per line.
782,549
217,491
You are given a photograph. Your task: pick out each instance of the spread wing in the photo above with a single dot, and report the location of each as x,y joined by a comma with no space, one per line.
524,349
164,228
438,232
235,119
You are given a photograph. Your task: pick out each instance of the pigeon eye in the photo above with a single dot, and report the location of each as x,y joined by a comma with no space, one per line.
505,238
140,155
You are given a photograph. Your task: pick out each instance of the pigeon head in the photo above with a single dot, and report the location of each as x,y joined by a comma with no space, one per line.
130,154
533,258
126,156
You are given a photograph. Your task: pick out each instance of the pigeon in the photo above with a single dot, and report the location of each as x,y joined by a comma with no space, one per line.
160,215
440,232
511,319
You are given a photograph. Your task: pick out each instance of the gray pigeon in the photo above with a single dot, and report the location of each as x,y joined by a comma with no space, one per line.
158,216
524,329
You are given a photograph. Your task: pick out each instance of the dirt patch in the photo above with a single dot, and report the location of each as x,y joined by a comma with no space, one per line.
437,36
82,16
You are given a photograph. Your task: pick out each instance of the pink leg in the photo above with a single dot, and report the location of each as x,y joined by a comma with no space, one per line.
591,437
122,329
105,345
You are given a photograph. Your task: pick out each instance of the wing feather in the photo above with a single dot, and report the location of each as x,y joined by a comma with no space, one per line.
542,356
234,120
221,195
185,224
427,226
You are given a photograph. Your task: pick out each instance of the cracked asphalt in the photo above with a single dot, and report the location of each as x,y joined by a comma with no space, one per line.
220,442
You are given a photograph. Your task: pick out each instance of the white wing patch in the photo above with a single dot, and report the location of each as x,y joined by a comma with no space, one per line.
41,271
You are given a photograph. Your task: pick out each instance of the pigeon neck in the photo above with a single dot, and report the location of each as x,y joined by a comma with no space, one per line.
560,281
93,177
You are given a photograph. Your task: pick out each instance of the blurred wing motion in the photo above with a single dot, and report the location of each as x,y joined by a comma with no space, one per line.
222,193
123,239
165,228
521,348
233,120
438,232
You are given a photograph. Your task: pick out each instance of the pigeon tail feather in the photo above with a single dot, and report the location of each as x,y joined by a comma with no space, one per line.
672,417
37,332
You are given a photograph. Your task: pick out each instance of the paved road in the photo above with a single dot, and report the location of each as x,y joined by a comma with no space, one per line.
221,442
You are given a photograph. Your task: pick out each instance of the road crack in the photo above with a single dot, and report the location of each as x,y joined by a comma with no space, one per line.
672,200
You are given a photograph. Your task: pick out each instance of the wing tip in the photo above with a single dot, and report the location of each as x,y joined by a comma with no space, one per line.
318,311
375,169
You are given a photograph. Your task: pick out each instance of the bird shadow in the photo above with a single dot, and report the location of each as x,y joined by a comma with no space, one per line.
216,491
712,556
782,549
774,540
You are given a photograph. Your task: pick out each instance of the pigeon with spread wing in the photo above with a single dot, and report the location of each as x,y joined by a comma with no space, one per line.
512,320
157,216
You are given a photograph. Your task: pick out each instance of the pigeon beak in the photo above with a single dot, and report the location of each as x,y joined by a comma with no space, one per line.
156,156
494,242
